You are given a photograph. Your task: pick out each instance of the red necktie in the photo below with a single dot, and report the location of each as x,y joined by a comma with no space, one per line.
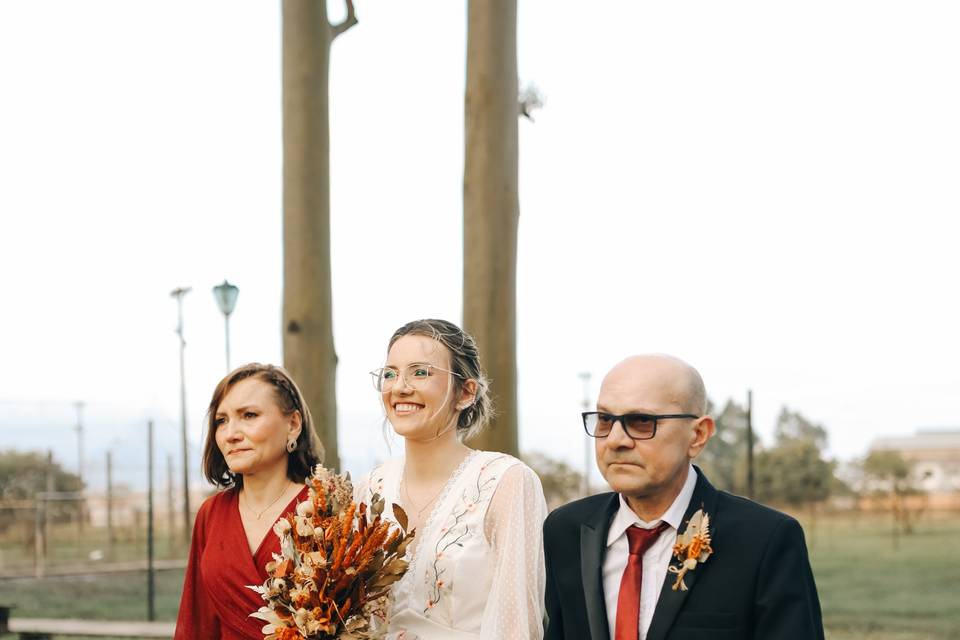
628,602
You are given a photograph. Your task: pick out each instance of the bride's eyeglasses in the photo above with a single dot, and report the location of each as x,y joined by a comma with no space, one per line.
413,375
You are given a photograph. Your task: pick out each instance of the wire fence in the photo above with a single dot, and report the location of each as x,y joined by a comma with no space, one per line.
62,534
74,489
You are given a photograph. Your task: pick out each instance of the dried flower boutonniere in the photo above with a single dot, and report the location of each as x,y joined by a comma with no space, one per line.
692,547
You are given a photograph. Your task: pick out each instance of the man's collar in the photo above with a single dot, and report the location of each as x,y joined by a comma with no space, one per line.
625,517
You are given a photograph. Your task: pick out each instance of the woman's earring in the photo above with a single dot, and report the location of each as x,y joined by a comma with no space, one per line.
291,446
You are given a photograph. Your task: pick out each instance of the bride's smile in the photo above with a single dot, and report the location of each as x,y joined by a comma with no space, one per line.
403,408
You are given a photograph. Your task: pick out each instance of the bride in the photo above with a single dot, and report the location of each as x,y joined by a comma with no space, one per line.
476,570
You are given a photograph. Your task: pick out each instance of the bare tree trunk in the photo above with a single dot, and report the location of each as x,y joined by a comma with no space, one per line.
308,350
491,207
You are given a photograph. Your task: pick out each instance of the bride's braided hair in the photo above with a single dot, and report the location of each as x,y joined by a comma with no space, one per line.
464,361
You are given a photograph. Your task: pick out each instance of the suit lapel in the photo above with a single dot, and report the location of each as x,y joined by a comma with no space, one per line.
593,546
670,601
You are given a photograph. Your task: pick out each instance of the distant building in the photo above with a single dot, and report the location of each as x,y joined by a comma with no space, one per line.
934,455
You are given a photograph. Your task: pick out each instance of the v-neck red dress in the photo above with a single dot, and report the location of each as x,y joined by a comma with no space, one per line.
216,604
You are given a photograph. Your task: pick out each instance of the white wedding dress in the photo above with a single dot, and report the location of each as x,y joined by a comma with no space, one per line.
477,568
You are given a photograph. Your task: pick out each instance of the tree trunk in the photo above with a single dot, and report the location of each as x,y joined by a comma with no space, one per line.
308,350
491,208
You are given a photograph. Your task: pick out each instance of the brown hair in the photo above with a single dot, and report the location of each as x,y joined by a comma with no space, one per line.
305,457
464,361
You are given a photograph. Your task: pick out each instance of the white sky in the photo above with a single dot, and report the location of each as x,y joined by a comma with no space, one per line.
764,189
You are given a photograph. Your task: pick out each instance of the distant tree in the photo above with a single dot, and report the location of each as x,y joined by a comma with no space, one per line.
791,425
23,474
724,458
794,471
561,482
308,349
491,207
889,474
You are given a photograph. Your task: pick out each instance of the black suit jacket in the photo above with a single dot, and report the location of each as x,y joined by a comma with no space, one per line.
756,585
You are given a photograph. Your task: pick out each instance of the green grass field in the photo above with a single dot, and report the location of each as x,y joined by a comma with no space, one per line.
70,546
868,590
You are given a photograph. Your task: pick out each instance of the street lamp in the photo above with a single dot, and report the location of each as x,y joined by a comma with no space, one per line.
178,293
226,296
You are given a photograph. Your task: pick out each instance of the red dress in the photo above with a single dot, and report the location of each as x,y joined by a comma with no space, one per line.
216,603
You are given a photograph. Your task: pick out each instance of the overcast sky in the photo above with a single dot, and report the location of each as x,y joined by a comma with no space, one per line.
767,190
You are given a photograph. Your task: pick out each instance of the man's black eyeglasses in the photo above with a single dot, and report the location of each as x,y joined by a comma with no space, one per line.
639,426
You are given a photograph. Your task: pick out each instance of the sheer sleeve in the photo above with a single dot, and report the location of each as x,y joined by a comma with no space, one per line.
514,529
361,489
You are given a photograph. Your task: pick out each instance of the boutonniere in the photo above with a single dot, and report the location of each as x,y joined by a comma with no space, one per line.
692,547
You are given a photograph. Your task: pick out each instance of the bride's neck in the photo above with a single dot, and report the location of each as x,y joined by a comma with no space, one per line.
432,462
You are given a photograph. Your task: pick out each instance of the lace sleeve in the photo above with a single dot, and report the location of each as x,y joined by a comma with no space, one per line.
514,528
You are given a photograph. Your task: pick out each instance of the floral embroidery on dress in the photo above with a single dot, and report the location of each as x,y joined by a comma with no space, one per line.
455,531
427,599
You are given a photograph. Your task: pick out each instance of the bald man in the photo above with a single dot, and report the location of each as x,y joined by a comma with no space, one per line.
627,564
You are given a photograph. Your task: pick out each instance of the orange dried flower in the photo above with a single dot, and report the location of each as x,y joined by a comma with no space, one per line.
695,547
326,576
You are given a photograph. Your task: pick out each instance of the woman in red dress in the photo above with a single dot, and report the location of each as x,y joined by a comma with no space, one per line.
260,446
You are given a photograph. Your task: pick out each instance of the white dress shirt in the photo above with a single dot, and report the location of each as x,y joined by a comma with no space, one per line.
655,560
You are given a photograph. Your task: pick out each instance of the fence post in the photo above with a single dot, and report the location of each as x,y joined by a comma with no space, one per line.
51,487
39,537
151,613
751,493
110,535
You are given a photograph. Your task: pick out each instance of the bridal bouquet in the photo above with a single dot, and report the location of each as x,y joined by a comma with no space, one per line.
336,564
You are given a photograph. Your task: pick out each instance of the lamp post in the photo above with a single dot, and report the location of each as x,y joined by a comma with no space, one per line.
178,293
226,296
588,442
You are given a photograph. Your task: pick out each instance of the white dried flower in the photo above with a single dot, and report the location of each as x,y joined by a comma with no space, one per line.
304,528
281,527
